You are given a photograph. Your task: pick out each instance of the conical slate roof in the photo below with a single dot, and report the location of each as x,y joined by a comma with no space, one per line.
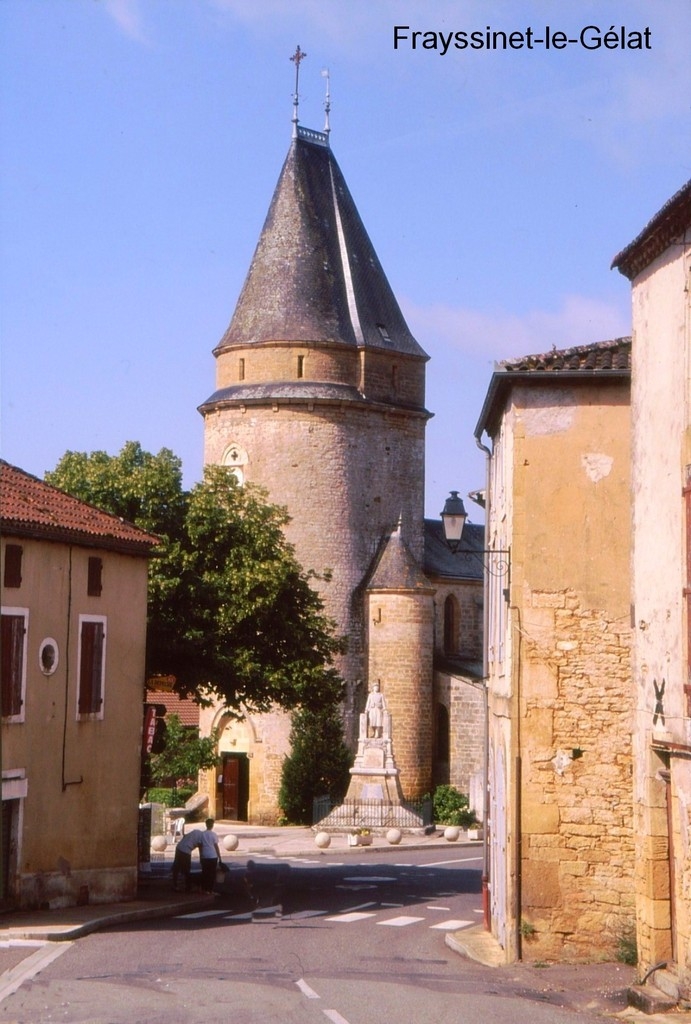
396,569
315,276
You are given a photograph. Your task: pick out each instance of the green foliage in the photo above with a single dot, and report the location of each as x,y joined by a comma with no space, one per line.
232,615
184,754
451,807
318,764
169,797
627,947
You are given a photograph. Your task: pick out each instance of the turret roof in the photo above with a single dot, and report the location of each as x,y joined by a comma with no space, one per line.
315,276
396,569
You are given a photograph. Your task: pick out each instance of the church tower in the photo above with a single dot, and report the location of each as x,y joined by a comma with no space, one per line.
320,392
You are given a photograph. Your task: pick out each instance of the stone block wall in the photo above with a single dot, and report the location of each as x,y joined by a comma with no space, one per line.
577,810
464,700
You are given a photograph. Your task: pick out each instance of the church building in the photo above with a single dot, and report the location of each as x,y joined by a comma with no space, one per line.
320,399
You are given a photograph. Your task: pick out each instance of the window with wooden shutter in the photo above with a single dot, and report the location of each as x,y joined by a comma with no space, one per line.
13,644
92,650
95,579
12,569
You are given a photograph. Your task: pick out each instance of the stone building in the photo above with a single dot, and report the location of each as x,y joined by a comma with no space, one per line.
74,588
558,648
320,399
658,264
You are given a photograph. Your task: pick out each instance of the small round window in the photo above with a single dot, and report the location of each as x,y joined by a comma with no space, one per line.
48,656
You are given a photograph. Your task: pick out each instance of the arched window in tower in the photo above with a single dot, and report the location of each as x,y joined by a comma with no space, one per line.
236,458
450,625
241,369
443,733
301,367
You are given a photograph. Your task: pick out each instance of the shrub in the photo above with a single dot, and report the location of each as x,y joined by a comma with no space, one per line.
451,807
169,797
318,764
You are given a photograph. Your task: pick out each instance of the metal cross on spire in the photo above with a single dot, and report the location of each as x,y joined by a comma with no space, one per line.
297,58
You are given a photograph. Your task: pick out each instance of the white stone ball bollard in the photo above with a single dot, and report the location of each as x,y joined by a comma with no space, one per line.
322,840
452,833
230,842
159,843
394,836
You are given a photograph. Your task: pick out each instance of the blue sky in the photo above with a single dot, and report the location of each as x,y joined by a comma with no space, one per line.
141,141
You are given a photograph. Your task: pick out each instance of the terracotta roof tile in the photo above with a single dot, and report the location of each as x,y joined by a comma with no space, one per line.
668,224
186,710
31,507
601,355
602,360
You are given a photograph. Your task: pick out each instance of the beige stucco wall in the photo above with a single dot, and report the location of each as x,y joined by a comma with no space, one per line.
661,402
560,687
77,823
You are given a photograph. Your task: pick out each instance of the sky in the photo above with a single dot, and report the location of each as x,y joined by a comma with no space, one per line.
141,141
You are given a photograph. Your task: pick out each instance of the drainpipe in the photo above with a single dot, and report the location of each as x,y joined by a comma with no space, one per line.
486,915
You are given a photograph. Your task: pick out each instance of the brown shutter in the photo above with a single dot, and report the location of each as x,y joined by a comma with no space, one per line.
12,573
12,641
95,581
90,668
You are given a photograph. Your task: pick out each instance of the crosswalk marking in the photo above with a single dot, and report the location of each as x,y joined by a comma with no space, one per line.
401,922
451,926
349,918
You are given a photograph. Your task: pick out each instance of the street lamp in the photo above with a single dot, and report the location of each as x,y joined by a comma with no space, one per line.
454,516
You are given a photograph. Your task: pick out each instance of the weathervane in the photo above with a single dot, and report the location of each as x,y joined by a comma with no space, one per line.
297,57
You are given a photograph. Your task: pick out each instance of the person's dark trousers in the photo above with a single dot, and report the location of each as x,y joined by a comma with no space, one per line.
182,865
208,873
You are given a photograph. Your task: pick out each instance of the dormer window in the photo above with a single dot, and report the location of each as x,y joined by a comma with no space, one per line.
384,334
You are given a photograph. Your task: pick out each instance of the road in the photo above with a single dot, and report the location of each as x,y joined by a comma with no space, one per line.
308,940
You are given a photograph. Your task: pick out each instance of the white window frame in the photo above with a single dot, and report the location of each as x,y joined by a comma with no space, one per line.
20,613
92,715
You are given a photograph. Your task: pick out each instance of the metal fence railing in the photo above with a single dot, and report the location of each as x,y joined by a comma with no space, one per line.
372,814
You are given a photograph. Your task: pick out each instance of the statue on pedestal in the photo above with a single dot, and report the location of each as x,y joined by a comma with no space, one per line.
375,710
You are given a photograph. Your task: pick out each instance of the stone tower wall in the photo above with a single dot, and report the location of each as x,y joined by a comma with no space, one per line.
400,656
346,474
279,362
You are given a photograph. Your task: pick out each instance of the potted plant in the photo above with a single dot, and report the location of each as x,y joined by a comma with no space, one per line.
359,837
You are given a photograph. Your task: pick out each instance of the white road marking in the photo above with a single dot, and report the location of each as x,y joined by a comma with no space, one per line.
451,926
401,922
335,1017
360,906
438,908
306,990
11,980
349,918
443,863
307,913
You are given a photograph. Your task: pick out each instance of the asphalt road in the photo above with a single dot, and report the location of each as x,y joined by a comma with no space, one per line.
306,940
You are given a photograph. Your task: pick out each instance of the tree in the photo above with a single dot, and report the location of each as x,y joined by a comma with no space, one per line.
318,764
232,615
184,753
